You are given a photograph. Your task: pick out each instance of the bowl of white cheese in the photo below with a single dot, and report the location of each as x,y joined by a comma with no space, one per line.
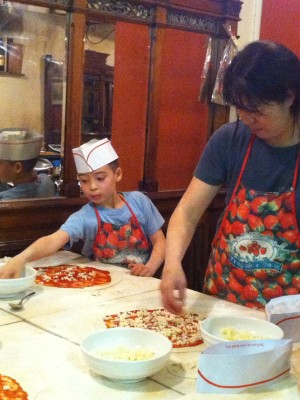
126,354
13,287
228,328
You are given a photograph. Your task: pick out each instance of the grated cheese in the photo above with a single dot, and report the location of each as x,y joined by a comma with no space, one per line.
182,330
229,333
126,354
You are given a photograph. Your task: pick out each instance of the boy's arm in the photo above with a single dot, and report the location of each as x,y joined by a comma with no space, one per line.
42,247
158,241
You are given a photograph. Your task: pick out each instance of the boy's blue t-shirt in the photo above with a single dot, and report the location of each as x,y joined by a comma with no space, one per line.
83,225
269,169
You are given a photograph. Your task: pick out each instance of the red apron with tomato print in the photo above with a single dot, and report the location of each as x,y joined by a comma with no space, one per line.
121,244
256,251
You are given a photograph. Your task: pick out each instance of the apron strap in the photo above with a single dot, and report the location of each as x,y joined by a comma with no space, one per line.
130,209
295,178
240,174
136,221
98,216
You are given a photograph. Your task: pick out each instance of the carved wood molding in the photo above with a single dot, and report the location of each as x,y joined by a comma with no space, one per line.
192,21
122,8
177,14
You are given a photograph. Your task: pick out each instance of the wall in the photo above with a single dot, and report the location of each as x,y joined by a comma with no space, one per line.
280,22
131,74
182,125
16,109
249,25
181,120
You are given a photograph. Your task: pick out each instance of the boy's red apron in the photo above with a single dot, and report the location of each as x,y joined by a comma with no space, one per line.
256,251
121,244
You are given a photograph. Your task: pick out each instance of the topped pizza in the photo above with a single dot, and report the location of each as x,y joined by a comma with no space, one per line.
10,389
71,276
183,330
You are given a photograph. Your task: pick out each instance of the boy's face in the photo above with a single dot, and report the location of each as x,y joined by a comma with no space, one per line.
99,186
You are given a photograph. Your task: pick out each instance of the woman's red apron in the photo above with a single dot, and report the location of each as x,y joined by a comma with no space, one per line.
256,251
121,244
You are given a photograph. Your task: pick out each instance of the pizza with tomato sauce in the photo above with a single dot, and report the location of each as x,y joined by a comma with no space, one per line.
71,276
10,389
183,330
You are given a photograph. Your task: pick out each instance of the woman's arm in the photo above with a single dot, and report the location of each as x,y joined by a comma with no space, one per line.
42,247
181,228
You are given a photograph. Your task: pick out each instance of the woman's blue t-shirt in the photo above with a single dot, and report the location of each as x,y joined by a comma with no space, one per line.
269,168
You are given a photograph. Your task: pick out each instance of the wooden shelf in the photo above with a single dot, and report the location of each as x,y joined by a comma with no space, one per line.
12,75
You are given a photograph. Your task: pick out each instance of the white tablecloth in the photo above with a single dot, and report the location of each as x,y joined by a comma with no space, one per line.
39,346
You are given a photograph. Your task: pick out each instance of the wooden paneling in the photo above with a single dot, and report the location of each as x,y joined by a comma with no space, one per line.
22,224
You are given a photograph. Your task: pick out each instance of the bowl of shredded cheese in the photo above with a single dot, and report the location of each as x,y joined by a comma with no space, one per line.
228,328
13,287
126,354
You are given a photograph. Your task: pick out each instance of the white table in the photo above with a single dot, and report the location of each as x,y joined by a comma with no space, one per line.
39,346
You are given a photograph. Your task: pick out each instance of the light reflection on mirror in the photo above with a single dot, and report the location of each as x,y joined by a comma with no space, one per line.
98,81
32,78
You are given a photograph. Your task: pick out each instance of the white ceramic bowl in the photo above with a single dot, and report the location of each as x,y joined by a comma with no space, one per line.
11,287
211,328
109,340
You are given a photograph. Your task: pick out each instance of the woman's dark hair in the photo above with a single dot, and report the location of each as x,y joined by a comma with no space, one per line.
261,73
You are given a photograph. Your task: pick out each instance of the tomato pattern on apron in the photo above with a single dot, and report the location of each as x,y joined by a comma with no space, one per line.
256,251
121,244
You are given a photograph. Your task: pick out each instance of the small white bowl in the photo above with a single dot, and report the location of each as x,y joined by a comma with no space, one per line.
109,340
211,328
11,287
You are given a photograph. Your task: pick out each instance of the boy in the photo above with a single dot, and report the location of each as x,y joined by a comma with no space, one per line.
115,228
19,151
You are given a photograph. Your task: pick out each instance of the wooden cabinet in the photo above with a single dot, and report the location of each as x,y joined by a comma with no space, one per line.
53,100
97,96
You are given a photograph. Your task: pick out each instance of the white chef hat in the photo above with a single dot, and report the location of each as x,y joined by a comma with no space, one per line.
19,145
93,155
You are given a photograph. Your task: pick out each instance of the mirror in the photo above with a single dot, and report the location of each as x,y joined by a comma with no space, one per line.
143,87
33,78
98,78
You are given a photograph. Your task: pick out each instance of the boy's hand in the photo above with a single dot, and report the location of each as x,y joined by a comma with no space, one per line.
9,272
140,269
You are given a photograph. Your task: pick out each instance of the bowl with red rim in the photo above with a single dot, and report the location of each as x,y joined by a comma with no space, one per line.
126,354
12,287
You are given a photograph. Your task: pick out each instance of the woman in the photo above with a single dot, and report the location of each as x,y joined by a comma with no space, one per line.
256,249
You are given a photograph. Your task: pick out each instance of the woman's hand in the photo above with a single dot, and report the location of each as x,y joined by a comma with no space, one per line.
173,286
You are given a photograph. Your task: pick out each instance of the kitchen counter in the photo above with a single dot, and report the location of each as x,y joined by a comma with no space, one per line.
40,345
